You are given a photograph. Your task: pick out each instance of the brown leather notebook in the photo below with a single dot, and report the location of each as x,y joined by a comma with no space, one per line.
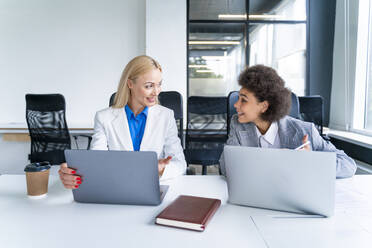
189,212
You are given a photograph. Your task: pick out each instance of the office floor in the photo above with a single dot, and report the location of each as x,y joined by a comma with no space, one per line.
211,170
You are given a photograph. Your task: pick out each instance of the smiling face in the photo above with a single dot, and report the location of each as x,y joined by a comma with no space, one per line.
145,88
249,108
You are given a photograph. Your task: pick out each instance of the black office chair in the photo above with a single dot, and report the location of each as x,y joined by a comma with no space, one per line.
173,100
112,98
206,130
295,107
311,110
232,98
47,126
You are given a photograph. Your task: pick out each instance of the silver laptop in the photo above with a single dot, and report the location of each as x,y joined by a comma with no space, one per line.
281,179
116,177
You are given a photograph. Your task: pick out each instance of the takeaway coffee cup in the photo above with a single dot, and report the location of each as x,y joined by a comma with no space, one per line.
37,176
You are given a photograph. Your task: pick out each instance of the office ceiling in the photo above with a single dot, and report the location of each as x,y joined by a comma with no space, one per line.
215,32
210,9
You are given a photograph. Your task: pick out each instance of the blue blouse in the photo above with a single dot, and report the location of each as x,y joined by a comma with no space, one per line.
136,125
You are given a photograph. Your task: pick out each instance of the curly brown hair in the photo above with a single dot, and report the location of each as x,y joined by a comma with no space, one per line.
265,83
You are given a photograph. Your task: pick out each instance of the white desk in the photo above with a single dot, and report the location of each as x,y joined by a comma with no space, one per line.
74,128
58,221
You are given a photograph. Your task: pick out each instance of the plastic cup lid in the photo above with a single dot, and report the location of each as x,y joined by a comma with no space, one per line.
37,166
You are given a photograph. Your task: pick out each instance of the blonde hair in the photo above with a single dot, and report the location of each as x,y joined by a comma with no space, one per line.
135,68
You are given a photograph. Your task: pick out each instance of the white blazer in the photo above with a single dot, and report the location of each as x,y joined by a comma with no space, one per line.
111,132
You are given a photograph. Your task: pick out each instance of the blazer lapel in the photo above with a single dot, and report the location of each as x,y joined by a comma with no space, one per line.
121,127
288,135
151,114
248,136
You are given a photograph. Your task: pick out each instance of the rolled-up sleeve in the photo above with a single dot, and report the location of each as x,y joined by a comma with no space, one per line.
172,147
345,166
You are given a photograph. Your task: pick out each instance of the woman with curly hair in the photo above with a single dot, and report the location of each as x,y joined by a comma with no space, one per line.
262,121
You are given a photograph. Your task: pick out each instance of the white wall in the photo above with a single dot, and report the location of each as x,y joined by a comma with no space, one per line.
74,47
13,156
166,42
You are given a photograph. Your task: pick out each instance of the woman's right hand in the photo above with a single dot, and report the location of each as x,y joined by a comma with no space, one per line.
68,177
162,163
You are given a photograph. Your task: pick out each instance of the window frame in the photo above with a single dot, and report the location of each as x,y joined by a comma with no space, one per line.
363,62
247,23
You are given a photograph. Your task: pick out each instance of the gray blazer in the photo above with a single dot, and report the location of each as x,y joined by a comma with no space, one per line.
290,131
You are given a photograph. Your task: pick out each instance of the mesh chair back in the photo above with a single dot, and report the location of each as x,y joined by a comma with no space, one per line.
232,98
206,130
46,120
311,110
203,105
173,100
206,122
295,107
207,113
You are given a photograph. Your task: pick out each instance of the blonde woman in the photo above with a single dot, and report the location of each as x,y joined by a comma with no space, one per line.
136,122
